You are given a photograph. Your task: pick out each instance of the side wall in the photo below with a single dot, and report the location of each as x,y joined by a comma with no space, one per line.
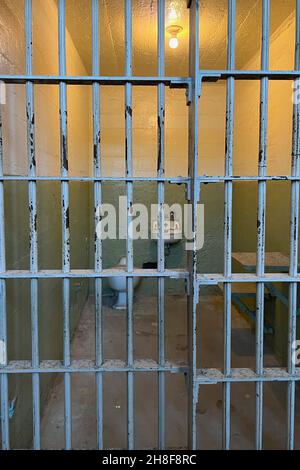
16,198
279,163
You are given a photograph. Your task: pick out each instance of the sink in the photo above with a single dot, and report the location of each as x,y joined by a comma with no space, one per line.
172,231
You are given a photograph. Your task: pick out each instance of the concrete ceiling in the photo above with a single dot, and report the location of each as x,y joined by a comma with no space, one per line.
213,33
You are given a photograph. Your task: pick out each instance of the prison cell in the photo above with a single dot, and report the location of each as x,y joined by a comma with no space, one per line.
195,281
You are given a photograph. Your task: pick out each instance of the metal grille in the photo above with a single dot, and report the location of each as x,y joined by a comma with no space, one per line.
193,182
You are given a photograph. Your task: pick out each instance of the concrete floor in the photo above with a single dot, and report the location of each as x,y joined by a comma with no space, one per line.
209,411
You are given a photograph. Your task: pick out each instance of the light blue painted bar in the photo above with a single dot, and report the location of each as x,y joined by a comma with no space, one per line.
91,274
65,219
294,240
97,216
202,279
193,296
3,319
260,263
209,376
174,82
178,180
129,187
214,279
161,218
32,191
228,216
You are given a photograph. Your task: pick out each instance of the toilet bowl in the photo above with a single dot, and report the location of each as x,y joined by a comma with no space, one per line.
118,284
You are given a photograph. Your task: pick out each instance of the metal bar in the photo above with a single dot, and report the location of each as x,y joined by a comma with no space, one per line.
228,218
194,54
173,82
89,366
97,212
204,376
215,279
161,217
178,180
65,219
3,314
100,179
294,240
202,279
208,75
260,263
91,274
129,188
32,192
278,374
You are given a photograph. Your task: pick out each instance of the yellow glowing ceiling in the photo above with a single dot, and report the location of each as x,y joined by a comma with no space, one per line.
212,33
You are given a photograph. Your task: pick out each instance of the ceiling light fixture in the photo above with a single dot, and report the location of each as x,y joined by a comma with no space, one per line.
174,10
174,30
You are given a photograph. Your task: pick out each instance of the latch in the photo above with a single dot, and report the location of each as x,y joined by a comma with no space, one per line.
207,77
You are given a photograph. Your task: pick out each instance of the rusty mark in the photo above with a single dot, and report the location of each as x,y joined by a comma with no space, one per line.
96,146
126,149
67,216
64,153
128,111
159,159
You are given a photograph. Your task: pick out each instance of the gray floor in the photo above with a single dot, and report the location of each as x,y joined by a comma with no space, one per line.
210,354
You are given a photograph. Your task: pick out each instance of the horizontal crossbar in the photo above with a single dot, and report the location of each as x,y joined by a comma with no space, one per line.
276,374
213,75
204,376
173,82
89,366
147,179
202,279
89,273
104,179
215,279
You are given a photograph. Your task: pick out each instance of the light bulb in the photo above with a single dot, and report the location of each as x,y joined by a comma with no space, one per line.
173,43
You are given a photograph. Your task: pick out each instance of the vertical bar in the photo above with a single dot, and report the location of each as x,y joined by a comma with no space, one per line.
161,202
194,198
294,239
97,211
33,225
65,218
230,87
260,263
129,187
3,319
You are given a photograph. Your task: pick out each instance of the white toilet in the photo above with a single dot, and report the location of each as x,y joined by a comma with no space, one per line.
118,284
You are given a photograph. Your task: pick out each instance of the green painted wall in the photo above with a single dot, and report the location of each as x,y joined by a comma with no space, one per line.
50,291
210,258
